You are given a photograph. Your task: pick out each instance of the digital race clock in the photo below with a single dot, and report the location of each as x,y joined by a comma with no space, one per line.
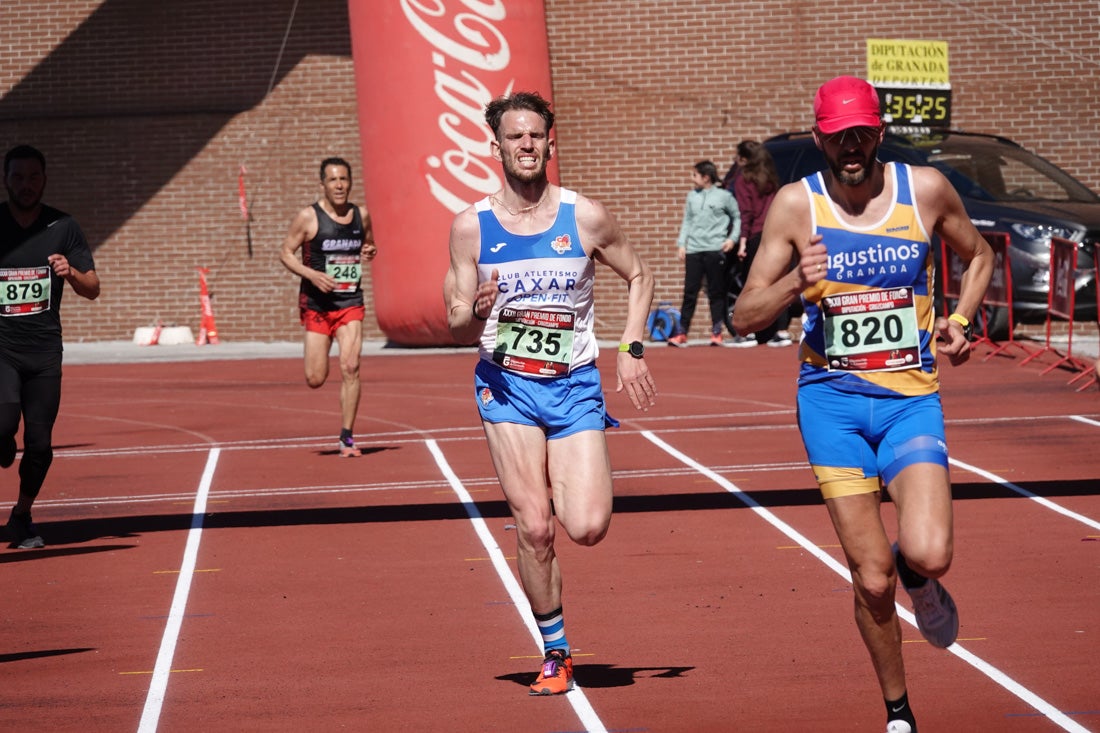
915,107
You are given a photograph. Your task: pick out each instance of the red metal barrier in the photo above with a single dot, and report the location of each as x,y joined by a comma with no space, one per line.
952,275
1061,301
1092,376
1000,290
998,294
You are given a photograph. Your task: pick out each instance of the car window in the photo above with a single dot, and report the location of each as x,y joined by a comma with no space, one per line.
1024,181
811,161
979,167
796,161
971,177
1002,172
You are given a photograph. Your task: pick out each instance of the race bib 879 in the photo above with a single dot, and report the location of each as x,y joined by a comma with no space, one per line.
24,290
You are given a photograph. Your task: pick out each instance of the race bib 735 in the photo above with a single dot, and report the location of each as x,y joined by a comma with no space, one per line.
534,341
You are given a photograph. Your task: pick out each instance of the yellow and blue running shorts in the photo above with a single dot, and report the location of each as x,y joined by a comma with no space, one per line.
855,441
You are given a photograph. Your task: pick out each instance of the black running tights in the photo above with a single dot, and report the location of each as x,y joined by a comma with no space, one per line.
30,386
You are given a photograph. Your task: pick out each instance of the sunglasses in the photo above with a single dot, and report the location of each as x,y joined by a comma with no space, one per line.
861,135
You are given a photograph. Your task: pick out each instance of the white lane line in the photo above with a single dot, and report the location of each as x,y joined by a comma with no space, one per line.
1056,716
1025,493
266,444
447,435
159,683
410,486
576,698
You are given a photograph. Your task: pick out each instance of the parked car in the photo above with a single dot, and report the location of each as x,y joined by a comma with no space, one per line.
1005,188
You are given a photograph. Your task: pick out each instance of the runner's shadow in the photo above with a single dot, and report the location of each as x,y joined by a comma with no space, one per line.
608,675
20,656
604,675
48,552
68,446
117,528
365,451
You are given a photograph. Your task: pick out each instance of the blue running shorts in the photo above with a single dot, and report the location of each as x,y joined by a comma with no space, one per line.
854,441
561,406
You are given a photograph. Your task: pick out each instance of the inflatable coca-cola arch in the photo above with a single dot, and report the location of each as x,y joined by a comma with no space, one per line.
424,70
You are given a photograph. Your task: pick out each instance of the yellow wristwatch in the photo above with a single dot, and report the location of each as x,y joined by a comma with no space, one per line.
634,348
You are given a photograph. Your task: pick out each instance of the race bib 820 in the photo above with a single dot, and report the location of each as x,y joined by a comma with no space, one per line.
871,330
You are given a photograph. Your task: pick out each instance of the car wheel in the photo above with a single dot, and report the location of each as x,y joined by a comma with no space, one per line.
996,322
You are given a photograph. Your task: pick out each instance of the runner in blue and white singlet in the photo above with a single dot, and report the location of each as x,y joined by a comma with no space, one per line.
520,285
541,323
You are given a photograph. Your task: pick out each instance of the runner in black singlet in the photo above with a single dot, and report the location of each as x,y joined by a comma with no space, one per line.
335,238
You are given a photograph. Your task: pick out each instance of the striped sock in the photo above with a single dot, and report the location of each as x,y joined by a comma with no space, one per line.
552,627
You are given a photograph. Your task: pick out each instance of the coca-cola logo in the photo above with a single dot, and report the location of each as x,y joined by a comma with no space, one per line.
461,45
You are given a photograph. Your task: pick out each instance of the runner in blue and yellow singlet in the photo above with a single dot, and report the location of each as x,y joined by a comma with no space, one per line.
520,285
868,390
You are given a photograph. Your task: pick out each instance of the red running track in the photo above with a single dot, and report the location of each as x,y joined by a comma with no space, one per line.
213,565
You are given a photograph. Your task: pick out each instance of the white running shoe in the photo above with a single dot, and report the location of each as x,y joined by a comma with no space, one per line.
779,341
898,726
937,617
743,342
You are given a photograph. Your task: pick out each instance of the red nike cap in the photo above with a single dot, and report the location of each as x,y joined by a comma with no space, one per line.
846,102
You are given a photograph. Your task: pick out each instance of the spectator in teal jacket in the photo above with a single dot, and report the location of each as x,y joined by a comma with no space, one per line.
712,222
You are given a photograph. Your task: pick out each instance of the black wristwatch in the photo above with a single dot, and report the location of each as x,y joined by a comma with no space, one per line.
634,348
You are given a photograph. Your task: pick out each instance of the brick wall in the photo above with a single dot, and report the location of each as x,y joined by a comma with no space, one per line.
644,93
147,111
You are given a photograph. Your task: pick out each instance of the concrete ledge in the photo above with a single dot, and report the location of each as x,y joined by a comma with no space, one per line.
125,352
168,336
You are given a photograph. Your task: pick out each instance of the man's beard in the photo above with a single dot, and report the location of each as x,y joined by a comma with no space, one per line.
26,202
853,178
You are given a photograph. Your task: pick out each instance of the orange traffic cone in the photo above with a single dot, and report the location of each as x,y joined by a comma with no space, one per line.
208,331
